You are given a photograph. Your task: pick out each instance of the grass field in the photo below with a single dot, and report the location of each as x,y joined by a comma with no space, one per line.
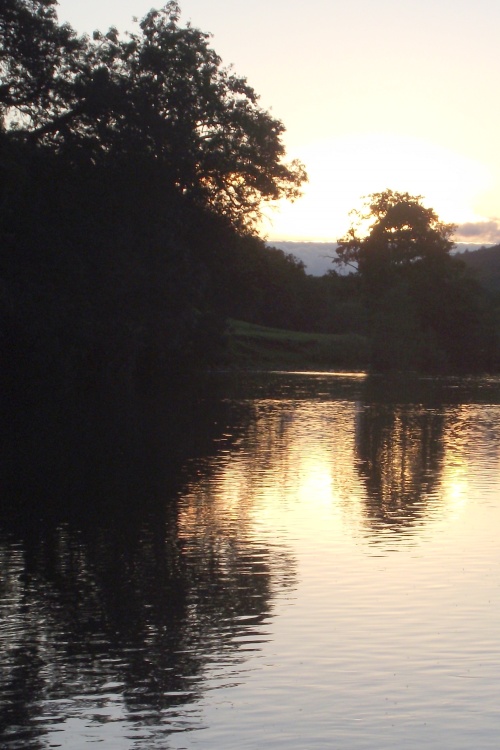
256,346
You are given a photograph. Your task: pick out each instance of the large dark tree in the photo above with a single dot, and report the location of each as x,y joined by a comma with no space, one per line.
159,93
132,168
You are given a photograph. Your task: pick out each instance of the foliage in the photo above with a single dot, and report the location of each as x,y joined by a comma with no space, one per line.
335,304
159,94
399,231
132,170
37,62
99,283
423,305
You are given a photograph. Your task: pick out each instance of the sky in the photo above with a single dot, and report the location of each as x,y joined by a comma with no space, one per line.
374,94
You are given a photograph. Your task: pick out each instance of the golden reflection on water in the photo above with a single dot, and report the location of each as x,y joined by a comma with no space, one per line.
366,468
454,486
295,455
472,451
454,480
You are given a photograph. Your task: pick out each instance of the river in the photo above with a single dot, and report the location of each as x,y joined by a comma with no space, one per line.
320,570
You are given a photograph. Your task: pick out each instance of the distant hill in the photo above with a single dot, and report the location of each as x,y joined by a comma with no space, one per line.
485,263
318,256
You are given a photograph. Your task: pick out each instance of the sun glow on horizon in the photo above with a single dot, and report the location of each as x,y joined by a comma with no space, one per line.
343,170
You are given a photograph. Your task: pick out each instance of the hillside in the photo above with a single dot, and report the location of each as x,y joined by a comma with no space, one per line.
485,263
261,347
316,256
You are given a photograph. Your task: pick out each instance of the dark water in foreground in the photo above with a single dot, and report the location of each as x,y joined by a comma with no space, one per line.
316,566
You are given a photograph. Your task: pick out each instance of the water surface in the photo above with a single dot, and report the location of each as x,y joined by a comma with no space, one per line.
323,573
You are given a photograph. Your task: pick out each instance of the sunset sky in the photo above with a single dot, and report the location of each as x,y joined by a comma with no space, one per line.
374,94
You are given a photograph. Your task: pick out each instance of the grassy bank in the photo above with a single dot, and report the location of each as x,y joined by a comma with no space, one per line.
254,346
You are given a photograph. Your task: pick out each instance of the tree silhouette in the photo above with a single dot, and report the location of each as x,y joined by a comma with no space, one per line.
37,62
160,93
422,302
394,231
131,168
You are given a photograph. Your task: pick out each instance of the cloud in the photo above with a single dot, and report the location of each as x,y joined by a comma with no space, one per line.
487,232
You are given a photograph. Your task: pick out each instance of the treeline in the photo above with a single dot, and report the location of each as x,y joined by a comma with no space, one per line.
485,264
132,172
109,275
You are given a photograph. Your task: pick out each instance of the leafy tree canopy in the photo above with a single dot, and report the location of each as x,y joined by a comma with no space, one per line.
422,303
36,60
160,93
393,231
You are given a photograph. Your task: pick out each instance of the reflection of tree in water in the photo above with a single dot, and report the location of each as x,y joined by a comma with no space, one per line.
122,617
148,614
400,452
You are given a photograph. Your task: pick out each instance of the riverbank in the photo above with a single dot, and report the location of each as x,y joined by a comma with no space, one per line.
250,346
